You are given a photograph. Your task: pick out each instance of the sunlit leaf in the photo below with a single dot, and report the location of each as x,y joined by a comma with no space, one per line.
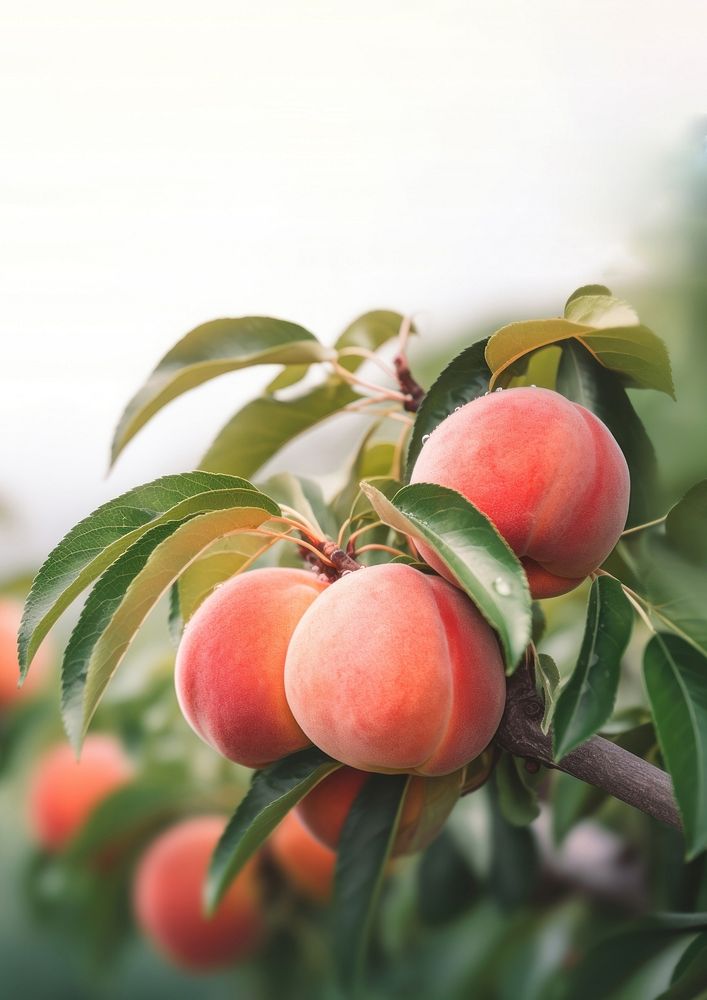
97,541
265,425
129,589
600,309
548,676
472,549
635,352
223,345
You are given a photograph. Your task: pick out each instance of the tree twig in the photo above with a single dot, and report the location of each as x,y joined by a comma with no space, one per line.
598,761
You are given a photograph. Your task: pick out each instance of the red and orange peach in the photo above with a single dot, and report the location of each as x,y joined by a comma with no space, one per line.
546,471
231,660
395,670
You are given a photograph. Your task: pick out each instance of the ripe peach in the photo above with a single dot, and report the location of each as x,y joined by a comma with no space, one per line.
230,663
10,617
307,863
64,791
545,470
168,904
395,670
428,803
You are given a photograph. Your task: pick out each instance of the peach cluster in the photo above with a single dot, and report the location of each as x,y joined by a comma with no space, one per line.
389,669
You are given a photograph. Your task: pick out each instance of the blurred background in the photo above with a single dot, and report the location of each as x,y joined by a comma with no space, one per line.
171,163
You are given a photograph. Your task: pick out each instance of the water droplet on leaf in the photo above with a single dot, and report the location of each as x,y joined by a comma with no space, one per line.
502,586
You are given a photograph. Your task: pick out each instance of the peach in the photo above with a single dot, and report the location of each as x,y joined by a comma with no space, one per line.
10,617
65,791
168,899
306,862
230,664
428,803
392,669
546,471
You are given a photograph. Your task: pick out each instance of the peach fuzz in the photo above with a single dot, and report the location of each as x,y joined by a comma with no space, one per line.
307,864
64,792
230,664
545,470
168,899
10,617
395,670
428,803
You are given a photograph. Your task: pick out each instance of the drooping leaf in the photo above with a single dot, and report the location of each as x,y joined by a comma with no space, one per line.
686,525
465,378
221,560
472,549
635,352
364,849
676,680
265,425
369,331
600,309
586,290
446,884
303,495
549,677
273,792
517,797
514,857
129,589
582,379
97,541
689,980
587,700
611,965
223,345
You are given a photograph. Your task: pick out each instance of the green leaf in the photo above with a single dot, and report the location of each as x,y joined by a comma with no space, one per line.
586,290
364,849
265,425
370,331
635,352
517,797
587,700
514,857
600,309
223,345
582,379
689,980
465,378
676,680
129,589
221,560
472,549
97,541
548,675
273,792
686,525
616,959
303,495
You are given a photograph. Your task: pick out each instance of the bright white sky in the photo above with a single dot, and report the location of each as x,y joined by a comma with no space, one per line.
164,163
